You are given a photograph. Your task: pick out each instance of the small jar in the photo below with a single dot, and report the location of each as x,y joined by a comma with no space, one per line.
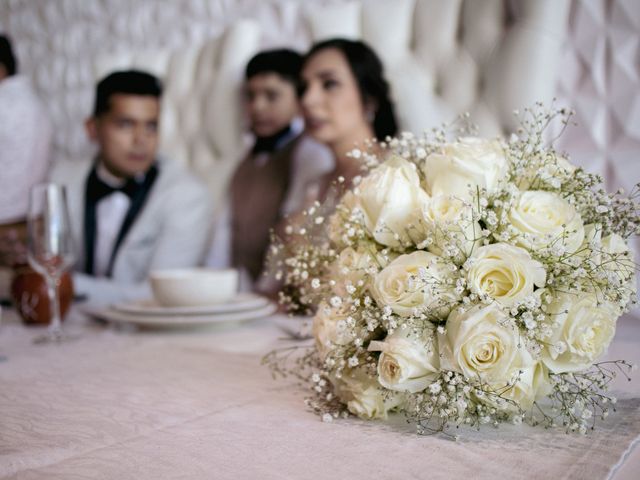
29,295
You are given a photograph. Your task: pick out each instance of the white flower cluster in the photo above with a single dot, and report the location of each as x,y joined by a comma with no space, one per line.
466,280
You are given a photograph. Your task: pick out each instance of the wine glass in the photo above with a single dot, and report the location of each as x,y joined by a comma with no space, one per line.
50,248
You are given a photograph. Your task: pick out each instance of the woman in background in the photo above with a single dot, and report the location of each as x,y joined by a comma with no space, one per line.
345,102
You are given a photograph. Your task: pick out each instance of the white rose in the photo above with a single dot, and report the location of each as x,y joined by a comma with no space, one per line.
591,244
347,210
527,385
506,273
618,258
533,384
354,266
482,342
409,360
449,221
392,201
462,166
554,172
591,247
612,257
418,281
364,396
581,331
542,218
330,329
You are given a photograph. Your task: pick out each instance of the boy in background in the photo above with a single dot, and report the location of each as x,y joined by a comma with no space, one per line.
270,182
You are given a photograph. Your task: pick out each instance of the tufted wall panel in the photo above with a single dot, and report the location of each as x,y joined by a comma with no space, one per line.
443,57
198,47
601,80
448,57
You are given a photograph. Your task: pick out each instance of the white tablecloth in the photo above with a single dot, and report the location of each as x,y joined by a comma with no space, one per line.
119,404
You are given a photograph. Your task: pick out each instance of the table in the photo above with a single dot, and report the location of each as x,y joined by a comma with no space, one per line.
117,403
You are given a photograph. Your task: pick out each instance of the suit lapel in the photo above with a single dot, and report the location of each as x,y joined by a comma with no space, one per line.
75,201
135,209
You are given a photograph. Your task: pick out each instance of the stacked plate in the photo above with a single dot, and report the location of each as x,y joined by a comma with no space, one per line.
149,313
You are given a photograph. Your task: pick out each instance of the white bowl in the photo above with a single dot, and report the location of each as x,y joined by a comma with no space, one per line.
193,287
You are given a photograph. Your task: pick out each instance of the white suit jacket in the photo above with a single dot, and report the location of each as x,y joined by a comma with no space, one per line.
171,231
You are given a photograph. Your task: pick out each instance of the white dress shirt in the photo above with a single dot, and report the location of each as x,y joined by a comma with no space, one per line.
110,213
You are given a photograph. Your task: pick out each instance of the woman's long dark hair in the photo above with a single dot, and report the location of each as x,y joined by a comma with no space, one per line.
369,74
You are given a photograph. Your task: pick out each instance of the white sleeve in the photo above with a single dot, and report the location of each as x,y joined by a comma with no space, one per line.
102,292
25,141
219,255
311,161
186,232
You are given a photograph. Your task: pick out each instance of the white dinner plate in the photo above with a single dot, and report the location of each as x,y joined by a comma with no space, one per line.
180,321
241,302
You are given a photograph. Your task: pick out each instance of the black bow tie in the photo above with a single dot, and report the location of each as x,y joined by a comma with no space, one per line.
97,189
272,143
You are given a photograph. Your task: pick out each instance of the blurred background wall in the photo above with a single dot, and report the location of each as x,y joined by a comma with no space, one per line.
600,80
64,44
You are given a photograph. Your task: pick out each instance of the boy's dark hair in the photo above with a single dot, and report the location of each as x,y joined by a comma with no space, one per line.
284,62
130,82
7,58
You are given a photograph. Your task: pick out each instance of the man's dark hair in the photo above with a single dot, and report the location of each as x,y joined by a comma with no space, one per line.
284,62
7,58
130,82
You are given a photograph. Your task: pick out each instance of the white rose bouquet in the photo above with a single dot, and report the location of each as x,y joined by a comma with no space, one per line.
465,282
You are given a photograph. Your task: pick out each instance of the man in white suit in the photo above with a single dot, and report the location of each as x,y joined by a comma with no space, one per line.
131,212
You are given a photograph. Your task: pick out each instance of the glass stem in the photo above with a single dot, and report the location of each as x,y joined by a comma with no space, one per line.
55,327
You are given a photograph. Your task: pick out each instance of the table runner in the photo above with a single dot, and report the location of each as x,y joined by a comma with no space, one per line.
199,405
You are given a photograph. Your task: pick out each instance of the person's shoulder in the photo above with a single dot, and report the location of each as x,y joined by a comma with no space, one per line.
312,157
20,106
15,84
69,171
18,89
176,179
